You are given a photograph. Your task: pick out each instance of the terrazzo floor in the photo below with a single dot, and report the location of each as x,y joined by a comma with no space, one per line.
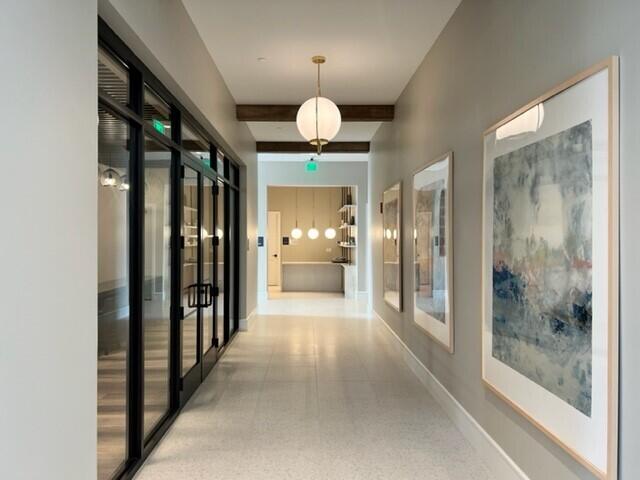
313,390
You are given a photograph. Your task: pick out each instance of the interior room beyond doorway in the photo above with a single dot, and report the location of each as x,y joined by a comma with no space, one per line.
311,239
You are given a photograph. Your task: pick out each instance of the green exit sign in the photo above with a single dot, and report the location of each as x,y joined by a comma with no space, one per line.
311,166
158,125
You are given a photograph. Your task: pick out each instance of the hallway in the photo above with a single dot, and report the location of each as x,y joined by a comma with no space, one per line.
313,390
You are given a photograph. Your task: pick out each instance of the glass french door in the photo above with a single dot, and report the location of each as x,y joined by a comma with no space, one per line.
199,242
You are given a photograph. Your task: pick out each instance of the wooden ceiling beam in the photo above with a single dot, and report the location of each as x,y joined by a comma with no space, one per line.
304,147
287,113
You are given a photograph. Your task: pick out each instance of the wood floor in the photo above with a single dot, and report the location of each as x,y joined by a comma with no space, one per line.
112,395
112,388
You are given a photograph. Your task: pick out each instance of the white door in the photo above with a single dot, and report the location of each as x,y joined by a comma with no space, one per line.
273,249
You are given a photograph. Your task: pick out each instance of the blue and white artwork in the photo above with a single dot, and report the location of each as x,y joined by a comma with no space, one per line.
542,263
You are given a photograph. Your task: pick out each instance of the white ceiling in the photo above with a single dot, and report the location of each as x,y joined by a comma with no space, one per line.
373,47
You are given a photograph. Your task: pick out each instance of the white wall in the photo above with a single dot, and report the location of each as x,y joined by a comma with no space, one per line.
279,170
48,246
163,36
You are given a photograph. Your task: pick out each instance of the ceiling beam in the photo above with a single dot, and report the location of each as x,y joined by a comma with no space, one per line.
287,113
304,147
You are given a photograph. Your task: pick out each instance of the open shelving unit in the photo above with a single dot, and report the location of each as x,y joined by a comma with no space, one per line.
348,225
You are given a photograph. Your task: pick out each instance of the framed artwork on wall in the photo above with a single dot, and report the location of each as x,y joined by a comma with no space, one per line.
432,250
550,264
392,246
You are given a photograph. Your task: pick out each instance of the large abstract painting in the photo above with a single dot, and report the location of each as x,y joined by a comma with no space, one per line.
432,258
542,197
391,246
550,265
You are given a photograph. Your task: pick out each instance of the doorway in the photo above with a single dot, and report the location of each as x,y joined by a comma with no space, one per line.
274,262
199,329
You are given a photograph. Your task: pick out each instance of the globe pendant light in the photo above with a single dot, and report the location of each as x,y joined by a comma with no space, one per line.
313,232
330,233
296,232
124,186
110,178
318,118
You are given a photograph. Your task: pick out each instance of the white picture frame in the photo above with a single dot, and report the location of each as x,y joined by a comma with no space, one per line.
432,240
563,147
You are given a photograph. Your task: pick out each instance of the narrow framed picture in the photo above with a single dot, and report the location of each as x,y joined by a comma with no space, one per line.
392,246
433,250
550,264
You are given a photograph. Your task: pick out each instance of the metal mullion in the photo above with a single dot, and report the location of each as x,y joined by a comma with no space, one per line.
122,110
199,316
216,254
236,260
136,275
226,264
176,266
159,137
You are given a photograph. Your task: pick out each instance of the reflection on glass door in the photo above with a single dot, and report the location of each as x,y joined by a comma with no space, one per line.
190,225
233,265
113,291
207,287
157,282
220,310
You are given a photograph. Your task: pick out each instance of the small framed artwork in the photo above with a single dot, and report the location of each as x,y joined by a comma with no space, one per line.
392,246
432,250
550,265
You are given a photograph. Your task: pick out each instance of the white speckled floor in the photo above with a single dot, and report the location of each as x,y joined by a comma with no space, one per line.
313,391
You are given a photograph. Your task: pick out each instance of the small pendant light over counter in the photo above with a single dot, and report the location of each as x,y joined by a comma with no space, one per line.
318,118
296,233
313,232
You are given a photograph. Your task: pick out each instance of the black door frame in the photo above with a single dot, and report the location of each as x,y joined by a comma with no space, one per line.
139,447
207,359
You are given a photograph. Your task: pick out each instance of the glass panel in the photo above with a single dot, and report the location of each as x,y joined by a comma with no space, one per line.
207,264
113,77
234,175
220,265
157,112
220,162
113,291
196,144
190,270
233,266
157,281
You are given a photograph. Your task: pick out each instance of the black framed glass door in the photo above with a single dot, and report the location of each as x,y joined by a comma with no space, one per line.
198,323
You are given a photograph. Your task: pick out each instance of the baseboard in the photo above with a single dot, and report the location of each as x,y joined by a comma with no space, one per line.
244,323
501,465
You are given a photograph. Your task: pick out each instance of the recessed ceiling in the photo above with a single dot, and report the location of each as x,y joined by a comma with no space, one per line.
373,47
288,131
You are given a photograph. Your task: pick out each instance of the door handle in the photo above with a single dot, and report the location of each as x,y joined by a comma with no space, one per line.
192,296
275,255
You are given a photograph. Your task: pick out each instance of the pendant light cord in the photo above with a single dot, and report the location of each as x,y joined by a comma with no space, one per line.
296,207
314,208
319,145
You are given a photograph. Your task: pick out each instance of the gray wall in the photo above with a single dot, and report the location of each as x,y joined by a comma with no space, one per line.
493,57
162,34
48,260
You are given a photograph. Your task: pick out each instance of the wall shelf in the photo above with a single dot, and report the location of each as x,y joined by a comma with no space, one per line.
345,208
